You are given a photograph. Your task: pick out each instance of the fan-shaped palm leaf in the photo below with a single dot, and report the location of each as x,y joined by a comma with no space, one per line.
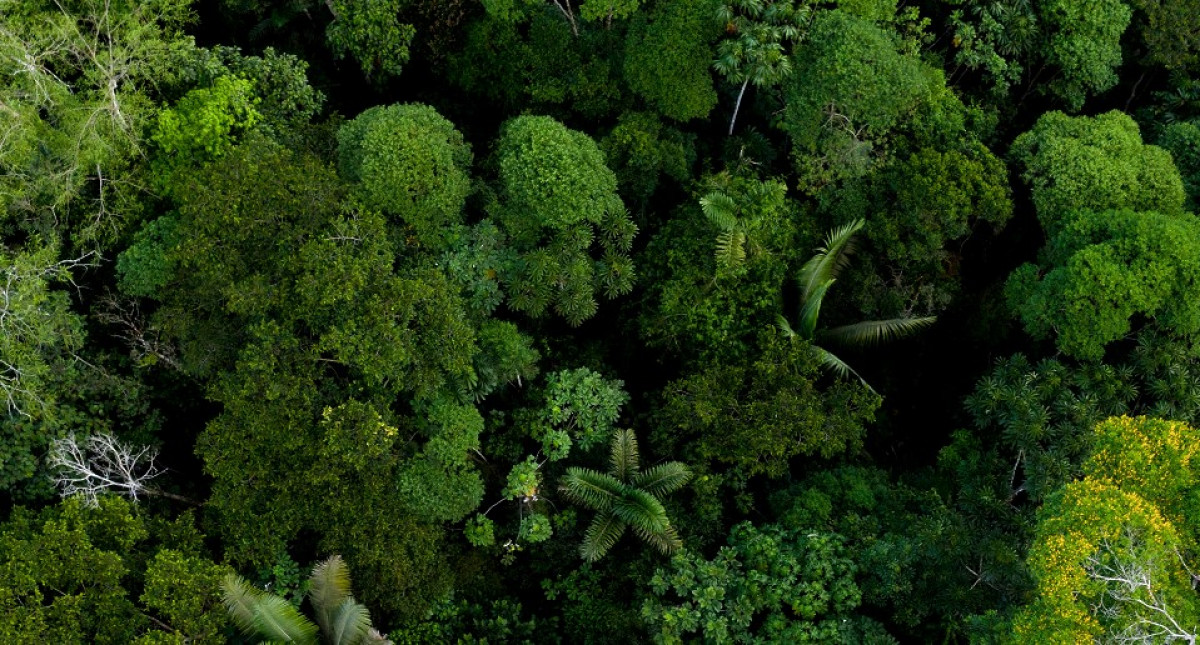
265,615
604,532
720,209
641,511
873,332
663,479
349,625
598,491
328,588
624,458
810,311
830,258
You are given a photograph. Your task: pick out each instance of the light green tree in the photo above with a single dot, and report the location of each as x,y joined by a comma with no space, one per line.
756,52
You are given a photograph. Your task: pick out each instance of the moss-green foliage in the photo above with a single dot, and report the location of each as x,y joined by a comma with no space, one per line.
1101,269
411,163
851,87
1094,163
668,53
558,200
202,124
769,584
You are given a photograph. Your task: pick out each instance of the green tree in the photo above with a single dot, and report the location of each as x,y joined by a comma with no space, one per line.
1066,48
557,196
371,32
1101,270
340,619
411,163
1094,163
625,496
69,574
76,96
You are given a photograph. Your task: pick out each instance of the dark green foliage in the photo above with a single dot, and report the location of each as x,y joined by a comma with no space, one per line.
641,150
370,31
760,412
668,53
1182,140
769,584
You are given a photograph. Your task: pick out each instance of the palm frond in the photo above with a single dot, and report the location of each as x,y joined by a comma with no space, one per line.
663,479
666,541
624,458
830,259
373,637
604,532
785,326
720,209
641,511
598,491
837,365
267,615
874,332
810,311
350,624
328,588
731,249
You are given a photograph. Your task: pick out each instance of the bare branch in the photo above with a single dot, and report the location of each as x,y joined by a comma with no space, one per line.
101,464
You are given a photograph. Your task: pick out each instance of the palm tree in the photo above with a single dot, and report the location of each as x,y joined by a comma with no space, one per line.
342,620
816,276
626,496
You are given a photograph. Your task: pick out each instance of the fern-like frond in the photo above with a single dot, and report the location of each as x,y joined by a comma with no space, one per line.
349,625
642,511
663,479
666,541
624,457
829,259
810,311
328,588
731,249
266,615
720,209
874,332
598,491
604,532
838,366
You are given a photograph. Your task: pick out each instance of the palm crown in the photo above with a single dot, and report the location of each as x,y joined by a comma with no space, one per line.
626,496
816,276
342,620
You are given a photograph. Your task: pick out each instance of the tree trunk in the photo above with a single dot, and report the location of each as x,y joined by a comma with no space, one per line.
738,106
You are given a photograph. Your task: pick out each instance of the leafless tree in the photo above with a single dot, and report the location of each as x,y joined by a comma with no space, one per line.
145,341
1133,594
102,464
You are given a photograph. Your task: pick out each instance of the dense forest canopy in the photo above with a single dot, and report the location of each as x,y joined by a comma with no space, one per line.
720,321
